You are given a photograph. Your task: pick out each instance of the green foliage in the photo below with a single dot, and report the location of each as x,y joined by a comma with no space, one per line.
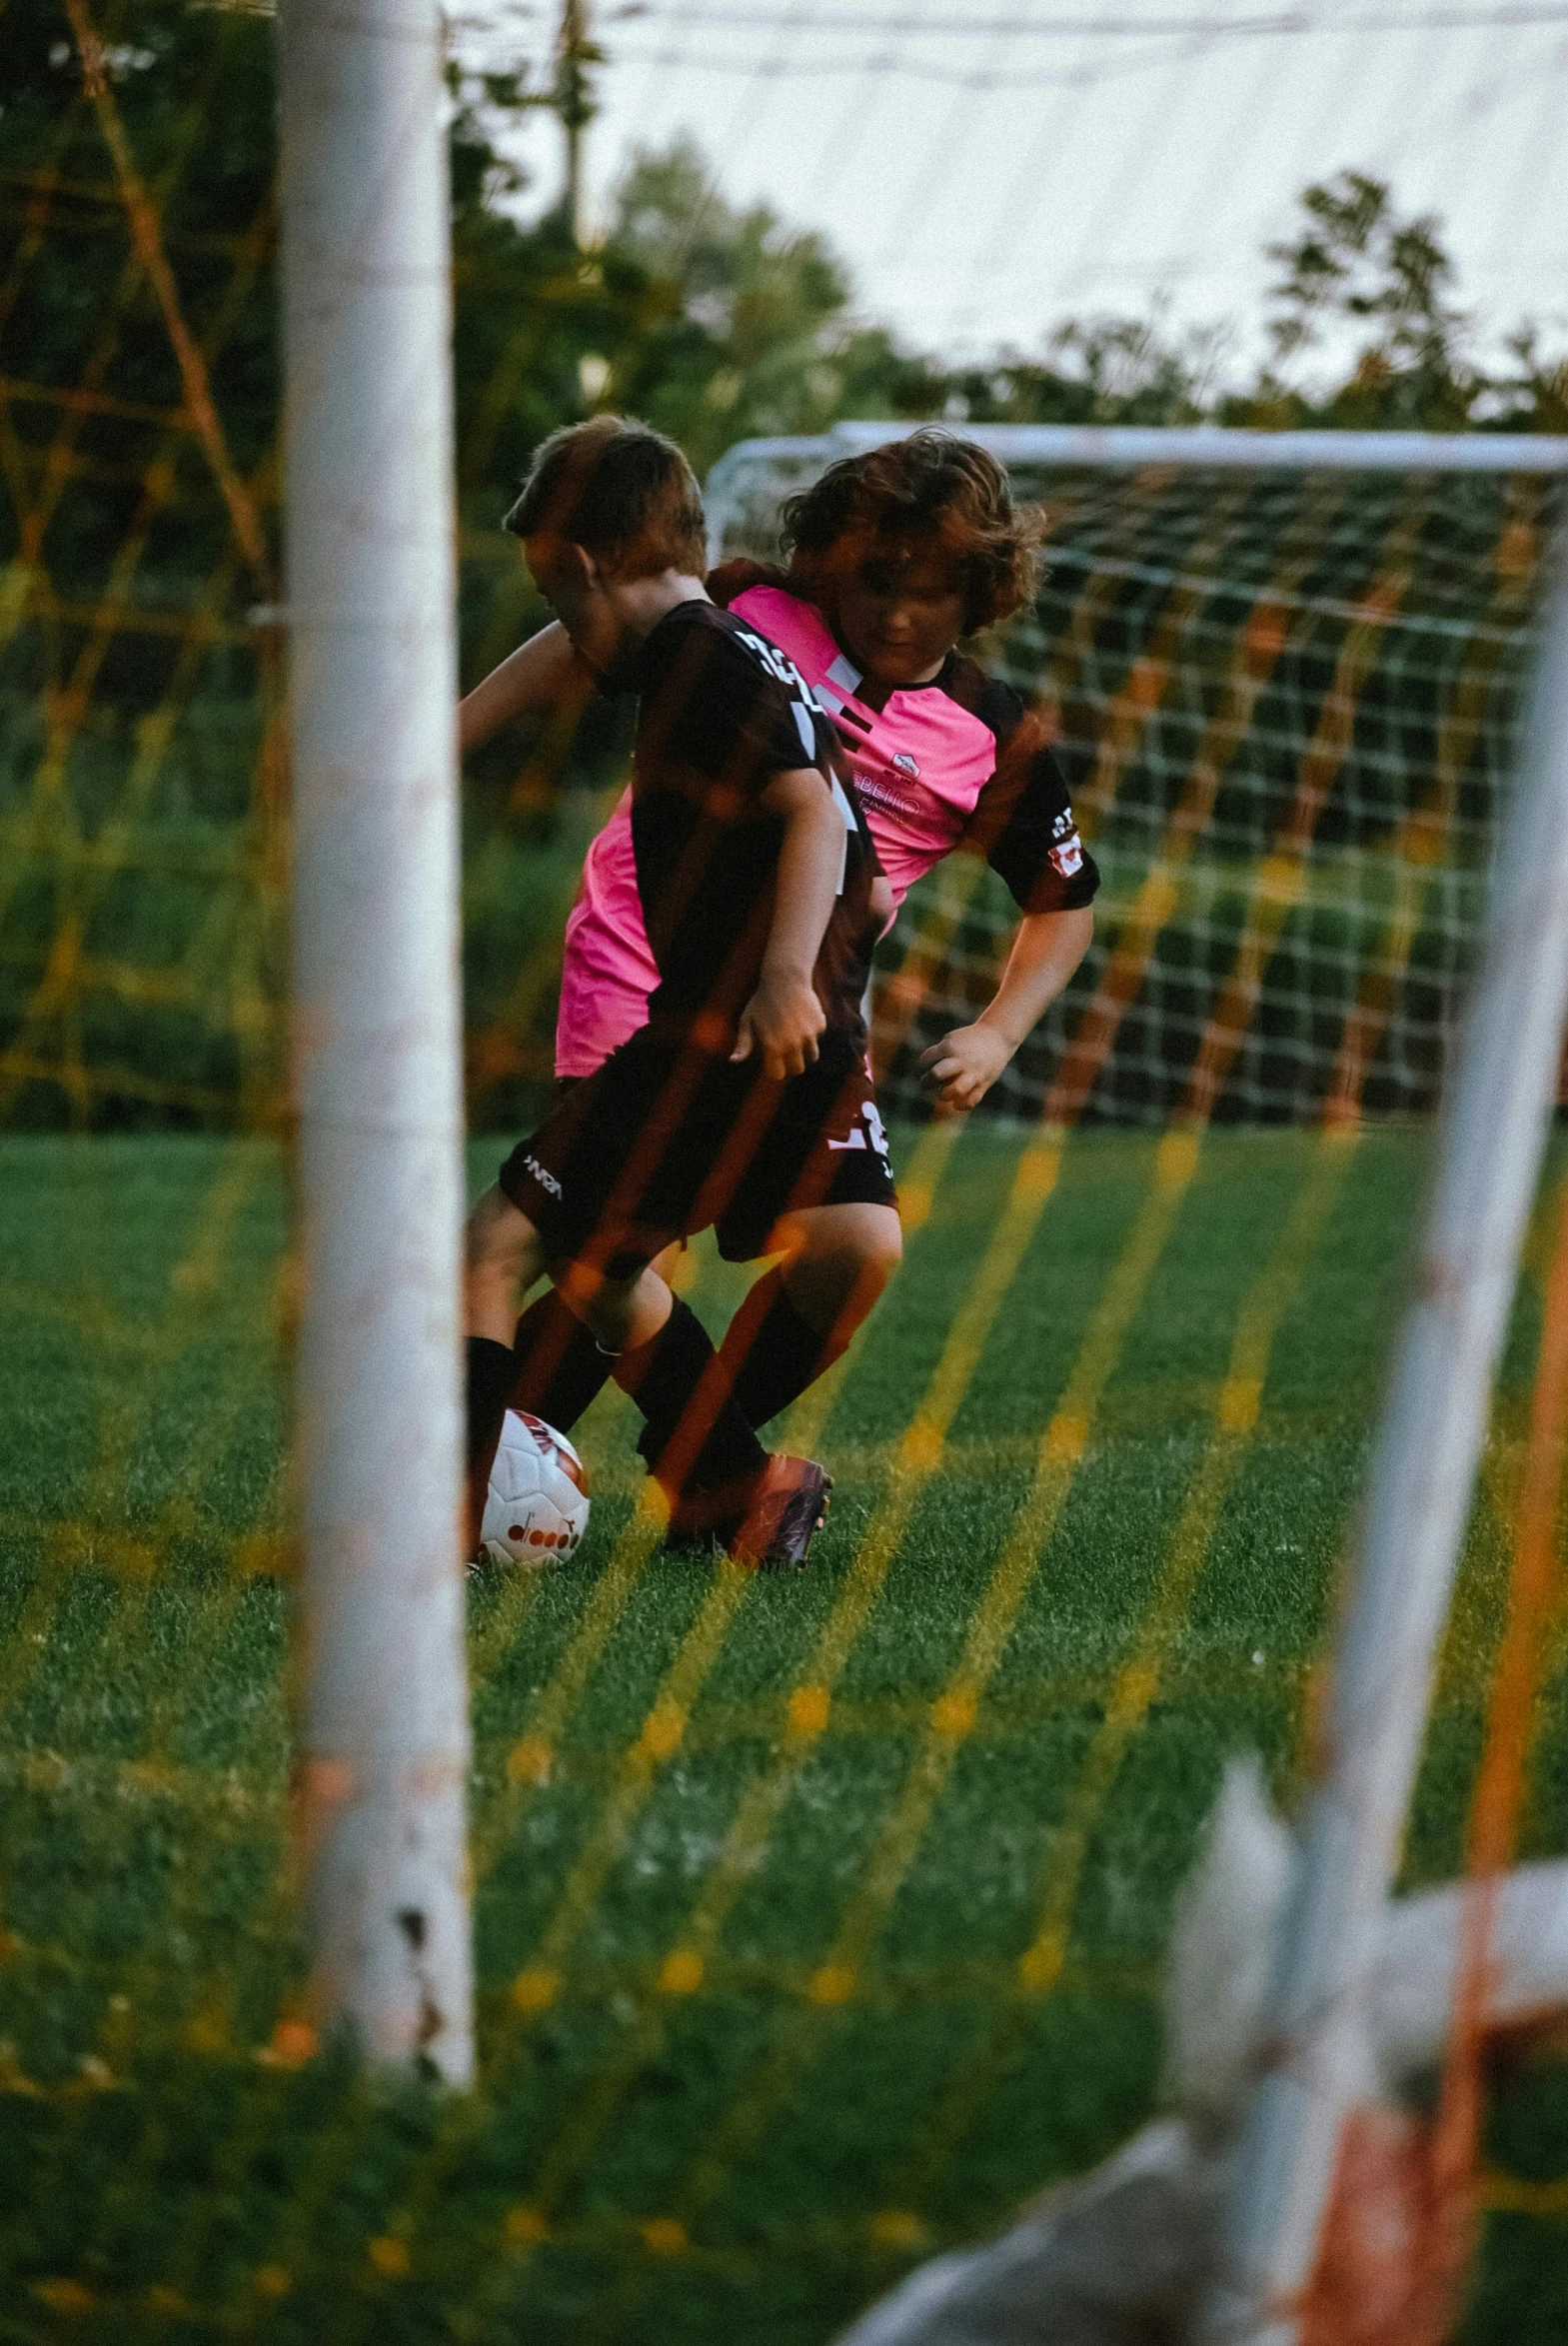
1356,263
1356,259
194,90
1356,276
1095,371
748,332
1357,273
716,322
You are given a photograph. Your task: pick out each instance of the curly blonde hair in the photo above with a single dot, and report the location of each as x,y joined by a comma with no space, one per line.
929,487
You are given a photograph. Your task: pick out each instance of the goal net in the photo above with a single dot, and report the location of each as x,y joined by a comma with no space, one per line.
1285,683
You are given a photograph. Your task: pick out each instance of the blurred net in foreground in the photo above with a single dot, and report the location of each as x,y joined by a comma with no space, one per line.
1286,700
143,798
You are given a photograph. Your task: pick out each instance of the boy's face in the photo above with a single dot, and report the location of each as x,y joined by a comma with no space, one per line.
899,611
575,587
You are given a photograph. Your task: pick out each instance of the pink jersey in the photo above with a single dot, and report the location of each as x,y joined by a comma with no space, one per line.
606,969
923,764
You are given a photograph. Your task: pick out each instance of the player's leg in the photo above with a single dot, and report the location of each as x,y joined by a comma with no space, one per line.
637,1330
659,1353
801,1314
617,1173
721,1483
559,1366
794,1323
503,1256
507,1243
821,1193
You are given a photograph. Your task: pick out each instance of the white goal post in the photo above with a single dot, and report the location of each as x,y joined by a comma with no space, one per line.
372,691
1409,1536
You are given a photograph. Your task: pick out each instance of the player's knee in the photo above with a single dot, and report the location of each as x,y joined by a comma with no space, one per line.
624,1306
879,1243
846,1250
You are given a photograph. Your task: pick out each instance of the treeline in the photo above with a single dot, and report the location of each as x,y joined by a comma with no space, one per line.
713,321
1357,281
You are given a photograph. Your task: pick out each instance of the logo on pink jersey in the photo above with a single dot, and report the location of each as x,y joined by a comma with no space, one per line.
907,765
878,791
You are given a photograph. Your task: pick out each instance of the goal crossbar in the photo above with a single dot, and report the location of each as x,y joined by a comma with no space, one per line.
1125,446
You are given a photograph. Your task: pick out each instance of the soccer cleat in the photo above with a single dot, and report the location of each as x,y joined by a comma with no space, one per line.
767,1521
789,1509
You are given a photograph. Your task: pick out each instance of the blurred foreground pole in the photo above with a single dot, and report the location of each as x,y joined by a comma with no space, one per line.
1411,1530
369,547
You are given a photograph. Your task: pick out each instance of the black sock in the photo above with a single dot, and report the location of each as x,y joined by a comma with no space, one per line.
559,1366
694,1437
771,1352
491,1369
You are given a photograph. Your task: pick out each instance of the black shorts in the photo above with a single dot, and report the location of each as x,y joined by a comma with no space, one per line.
664,1140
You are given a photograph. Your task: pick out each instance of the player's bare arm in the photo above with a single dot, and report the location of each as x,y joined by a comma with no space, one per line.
783,1018
1046,952
530,681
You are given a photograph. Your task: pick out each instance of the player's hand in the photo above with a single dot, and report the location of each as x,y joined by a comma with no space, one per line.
965,1065
781,1024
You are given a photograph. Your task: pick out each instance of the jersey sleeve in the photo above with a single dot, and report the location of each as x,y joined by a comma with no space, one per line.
731,717
1024,824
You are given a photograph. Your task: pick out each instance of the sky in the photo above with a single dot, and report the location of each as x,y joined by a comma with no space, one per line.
988,168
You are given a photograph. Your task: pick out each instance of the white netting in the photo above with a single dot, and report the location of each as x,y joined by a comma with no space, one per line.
1285,697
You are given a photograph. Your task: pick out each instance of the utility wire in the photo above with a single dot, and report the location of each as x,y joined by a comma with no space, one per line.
1197,32
1080,28
886,62
889,62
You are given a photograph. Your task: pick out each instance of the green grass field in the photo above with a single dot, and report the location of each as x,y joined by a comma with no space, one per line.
820,1919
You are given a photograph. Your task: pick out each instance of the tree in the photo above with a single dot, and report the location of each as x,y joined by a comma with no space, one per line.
746,325
194,93
1360,287
1095,371
1357,271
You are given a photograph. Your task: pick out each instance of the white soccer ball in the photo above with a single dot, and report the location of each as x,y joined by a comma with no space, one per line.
536,1509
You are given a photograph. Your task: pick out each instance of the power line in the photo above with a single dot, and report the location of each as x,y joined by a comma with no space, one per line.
1196,33
837,66
1078,28
889,61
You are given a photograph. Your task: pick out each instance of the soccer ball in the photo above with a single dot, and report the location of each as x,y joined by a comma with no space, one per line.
535,1509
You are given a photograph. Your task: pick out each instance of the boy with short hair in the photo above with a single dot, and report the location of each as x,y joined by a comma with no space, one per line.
748,1087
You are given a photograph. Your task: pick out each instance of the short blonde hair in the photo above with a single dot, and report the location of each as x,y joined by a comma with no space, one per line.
621,491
